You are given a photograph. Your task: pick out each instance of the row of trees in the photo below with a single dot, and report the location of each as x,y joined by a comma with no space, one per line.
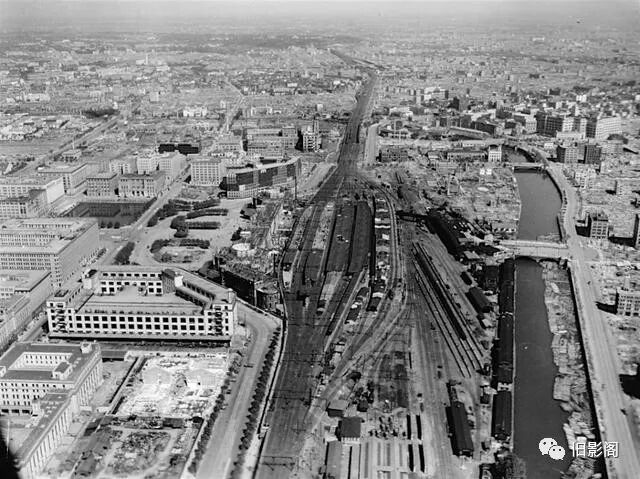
208,425
208,212
158,244
173,207
254,410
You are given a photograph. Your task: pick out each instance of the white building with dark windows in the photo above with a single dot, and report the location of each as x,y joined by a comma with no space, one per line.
51,382
143,302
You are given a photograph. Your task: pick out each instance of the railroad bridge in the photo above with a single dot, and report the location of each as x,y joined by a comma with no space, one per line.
537,249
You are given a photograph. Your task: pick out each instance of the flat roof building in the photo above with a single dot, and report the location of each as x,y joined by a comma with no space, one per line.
627,302
51,382
598,225
62,246
143,302
102,184
141,186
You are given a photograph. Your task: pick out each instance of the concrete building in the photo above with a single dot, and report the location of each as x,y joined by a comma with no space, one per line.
601,128
494,154
141,186
592,154
527,121
172,165
147,164
584,178
568,154
598,225
143,302
20,186
102,184
549,124
73,176
51,382
628,302
248,182
389,153
207,172
636,231
29,206
123,166
62,246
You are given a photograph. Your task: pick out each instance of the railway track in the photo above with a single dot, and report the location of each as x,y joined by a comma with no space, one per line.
454,308
463,348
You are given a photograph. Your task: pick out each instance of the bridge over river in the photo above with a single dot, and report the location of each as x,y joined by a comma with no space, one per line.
537,249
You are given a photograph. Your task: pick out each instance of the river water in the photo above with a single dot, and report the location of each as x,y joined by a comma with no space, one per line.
536,414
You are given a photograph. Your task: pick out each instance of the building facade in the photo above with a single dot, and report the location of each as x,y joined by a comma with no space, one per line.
598,225
102,184
627,302
51,382
207,172
141,186
62,246
601,128
248,182
144,303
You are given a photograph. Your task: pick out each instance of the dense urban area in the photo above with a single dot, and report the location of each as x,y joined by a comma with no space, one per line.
339,241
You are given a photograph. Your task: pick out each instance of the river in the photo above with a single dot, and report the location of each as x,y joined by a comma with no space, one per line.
536,414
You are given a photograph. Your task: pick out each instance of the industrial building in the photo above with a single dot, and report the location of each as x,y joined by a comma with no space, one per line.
143,302
62,246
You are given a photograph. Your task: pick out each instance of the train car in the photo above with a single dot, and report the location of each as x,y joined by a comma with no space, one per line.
460,430
479,300
502,416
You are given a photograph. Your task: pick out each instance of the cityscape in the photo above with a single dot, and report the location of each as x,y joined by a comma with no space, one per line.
306,239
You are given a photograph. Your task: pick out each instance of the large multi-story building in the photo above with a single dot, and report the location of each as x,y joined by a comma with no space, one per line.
51,382
20,186
598,225
73,176
550,124
62,246
173,164
389,153
123,166
29,206
102,184
628,301
601,128
494,153
143,302
636,231
527,121
248,182
207,171
592,154
568,154
141,186
584,177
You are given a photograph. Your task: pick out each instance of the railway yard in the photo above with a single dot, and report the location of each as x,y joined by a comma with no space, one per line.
390,342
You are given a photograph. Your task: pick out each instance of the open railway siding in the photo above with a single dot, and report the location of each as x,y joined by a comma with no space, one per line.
318,279
466,351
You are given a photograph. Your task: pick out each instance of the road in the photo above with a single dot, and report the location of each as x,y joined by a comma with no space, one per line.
602,357
227,430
